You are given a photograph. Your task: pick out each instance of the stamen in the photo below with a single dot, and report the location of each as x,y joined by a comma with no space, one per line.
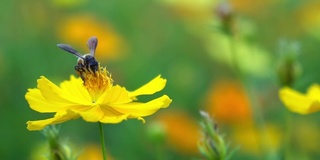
97,82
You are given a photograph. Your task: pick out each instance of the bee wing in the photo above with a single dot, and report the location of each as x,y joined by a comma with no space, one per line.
92,45
69,49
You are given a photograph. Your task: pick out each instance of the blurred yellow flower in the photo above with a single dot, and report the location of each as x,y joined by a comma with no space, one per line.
68,3
301,103
228,103
183,132
92,152
196,15
95,99
308,17
305,136
254,141
190,9
78,29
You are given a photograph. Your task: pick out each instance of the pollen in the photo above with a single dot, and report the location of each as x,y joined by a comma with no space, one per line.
97,82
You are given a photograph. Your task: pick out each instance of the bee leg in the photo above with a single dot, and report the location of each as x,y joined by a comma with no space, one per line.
82,77
79,72
92,68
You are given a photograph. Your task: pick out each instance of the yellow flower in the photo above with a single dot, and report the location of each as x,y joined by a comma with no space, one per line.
95,99
300,103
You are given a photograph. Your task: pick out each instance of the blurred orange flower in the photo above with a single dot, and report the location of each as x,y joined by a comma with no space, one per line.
228,103
182,132
77,29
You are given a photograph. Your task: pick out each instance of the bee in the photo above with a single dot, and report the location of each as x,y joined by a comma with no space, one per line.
85,62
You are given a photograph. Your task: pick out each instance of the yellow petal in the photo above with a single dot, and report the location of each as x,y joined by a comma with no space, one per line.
59,117
38,103
112,116
39,125
315,107
114,119
297,102
52,93
136,109
94,114
114,95
314,92
51,98
155,85
76,91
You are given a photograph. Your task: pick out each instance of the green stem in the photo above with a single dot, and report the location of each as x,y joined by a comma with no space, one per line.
103,145
257,112
288,135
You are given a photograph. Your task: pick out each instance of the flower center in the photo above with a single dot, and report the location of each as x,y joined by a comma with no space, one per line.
96,82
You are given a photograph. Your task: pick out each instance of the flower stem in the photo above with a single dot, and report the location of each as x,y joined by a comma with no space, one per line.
103,145
256,109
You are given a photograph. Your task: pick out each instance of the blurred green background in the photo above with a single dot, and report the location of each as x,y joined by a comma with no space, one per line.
187,42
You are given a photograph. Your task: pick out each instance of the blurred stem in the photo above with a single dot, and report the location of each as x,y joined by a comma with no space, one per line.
103,145
287,140
288,134
160,152
234,56
256,109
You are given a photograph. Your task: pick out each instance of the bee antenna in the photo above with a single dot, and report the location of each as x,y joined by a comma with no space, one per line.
92,45
69,49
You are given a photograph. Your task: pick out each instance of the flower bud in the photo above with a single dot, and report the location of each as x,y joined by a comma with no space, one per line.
58,150
226,15
212,145
288,68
